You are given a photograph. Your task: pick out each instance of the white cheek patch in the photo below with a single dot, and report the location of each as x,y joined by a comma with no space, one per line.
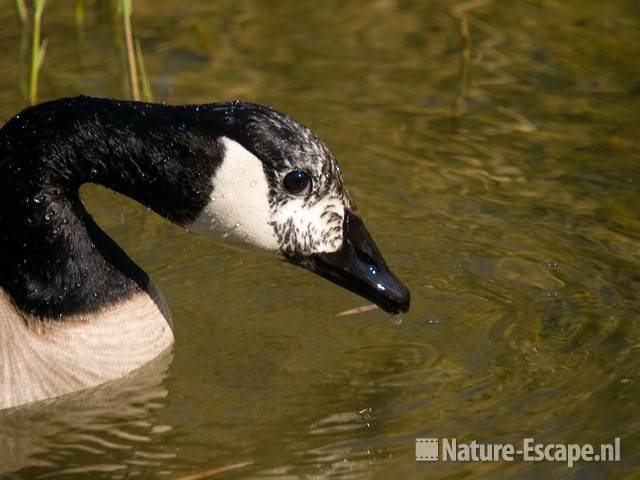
239,205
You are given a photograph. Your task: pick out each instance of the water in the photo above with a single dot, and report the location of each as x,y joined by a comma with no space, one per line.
504,192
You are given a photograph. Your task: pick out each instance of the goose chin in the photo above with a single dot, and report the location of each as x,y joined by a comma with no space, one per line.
359,267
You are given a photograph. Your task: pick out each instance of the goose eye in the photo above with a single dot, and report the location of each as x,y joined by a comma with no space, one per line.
298,183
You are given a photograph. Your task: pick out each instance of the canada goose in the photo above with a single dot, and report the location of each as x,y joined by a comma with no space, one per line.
75,310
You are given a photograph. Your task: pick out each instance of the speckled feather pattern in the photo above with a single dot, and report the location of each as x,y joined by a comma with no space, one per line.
302,226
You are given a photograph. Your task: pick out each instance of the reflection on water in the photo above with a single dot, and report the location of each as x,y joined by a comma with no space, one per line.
75,434
508,203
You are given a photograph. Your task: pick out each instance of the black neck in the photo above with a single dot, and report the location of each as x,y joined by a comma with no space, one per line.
54,260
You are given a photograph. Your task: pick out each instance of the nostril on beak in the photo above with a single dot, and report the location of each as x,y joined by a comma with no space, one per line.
365,257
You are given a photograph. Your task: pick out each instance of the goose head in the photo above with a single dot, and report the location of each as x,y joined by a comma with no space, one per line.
279,189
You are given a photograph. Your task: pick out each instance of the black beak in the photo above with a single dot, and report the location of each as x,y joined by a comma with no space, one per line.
359,266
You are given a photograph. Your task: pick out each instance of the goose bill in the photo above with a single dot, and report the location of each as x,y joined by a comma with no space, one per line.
359,267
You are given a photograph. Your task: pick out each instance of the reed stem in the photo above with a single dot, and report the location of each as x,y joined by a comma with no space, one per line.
132,69
464,80
466,52
21,9
37,50
147,94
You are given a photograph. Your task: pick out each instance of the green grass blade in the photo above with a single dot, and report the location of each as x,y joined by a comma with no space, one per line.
147,95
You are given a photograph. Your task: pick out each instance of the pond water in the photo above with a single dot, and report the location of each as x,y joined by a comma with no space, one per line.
503,190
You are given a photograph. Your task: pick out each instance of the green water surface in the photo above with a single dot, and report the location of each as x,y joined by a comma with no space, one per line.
503,190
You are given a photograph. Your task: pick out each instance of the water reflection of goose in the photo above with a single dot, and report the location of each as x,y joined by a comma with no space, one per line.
114,427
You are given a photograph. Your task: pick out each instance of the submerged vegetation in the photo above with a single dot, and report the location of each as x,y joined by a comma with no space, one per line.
30,18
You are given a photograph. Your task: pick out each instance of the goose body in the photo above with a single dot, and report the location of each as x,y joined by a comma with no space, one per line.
75,310
47,359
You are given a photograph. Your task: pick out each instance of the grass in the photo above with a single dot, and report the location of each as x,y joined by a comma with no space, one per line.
138,81
126,10
458,106
30,16
38,50
147,95
21,10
